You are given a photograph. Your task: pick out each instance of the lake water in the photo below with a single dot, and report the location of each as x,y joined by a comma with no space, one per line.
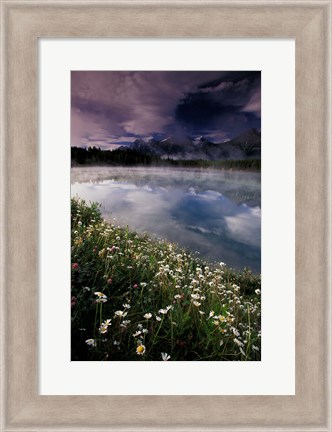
216,213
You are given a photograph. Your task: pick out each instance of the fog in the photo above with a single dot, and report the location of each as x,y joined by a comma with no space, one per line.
216,213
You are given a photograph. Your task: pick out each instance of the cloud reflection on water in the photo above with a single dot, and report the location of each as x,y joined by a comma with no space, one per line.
214,212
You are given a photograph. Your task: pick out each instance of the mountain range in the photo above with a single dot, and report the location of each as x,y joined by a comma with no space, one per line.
245,146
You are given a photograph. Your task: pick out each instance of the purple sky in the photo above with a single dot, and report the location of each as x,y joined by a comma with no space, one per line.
109,109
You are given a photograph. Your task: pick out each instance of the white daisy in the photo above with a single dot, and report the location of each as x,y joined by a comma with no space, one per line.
239,343
91,342
103,329
101,297
107,322
235,332
163,311
165,356
140,350
125,323
137,333
120,314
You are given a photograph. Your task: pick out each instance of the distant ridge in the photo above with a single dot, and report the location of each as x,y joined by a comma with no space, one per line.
247,145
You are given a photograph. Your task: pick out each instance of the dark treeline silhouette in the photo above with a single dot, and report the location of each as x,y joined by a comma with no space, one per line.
96,156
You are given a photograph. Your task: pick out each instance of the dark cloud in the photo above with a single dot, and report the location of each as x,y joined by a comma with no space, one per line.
230,104
114,108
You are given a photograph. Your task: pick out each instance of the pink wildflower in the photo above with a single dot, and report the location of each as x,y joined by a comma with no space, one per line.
73,301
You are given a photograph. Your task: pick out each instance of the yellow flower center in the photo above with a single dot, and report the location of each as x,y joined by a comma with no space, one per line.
140,349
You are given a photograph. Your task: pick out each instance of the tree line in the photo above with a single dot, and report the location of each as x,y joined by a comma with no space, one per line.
96,156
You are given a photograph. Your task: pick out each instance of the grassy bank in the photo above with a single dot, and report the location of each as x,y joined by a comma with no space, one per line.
134,298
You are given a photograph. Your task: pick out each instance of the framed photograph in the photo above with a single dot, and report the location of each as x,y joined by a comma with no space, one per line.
166,216
174,163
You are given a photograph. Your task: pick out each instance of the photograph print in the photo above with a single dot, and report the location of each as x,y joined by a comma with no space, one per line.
165,216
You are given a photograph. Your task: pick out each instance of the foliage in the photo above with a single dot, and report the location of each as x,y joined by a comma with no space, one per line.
134,298
96,156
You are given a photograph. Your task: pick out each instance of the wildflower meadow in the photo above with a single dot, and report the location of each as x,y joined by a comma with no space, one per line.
140,299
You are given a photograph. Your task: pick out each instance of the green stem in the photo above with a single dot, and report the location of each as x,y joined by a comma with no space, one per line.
155,337
94,334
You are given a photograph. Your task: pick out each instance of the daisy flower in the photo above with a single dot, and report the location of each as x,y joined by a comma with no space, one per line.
120,314
125,323
165,356
235,332
140,350
137,333
239,343
91,342
101,297
147,316
103,329
163,311
107,322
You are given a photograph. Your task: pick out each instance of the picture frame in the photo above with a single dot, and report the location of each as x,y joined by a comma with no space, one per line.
22,23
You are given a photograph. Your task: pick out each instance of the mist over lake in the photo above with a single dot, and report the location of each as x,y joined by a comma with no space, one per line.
214,212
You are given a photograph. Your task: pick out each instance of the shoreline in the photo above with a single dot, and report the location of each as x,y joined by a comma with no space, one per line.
167,166
134,298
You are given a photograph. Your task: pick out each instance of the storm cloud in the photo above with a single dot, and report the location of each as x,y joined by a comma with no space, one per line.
109,108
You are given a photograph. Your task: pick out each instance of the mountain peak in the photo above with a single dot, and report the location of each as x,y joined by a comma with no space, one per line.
244,146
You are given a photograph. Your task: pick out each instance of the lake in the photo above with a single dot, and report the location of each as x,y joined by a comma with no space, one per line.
216,213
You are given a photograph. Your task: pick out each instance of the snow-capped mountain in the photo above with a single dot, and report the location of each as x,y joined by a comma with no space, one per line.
245,146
